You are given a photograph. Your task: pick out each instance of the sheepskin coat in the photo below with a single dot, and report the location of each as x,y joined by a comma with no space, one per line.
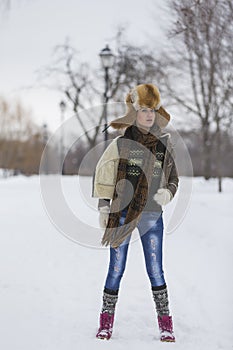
104,179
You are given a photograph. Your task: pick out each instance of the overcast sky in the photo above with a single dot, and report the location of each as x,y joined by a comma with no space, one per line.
32,28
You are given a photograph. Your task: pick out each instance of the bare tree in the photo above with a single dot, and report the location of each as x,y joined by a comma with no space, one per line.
133,65
82,86
71,77
201,63
75,80
16,128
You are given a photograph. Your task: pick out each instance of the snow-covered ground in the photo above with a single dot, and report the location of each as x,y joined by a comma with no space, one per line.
51,287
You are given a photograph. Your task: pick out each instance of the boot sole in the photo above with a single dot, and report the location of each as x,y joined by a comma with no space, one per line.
103,338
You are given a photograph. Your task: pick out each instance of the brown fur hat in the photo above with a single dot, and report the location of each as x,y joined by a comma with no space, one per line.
143,95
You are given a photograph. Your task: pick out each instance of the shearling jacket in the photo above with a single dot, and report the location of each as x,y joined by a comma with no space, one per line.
104,180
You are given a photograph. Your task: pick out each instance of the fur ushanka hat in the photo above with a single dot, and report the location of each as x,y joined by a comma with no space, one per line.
144,95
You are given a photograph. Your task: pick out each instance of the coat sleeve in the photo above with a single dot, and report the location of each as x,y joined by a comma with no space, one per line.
104,178
173,179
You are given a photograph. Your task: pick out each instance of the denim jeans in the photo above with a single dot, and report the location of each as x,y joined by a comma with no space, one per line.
150,228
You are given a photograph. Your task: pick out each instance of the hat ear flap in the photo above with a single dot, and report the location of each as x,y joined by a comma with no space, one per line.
129,118
162,117
126,120
128,98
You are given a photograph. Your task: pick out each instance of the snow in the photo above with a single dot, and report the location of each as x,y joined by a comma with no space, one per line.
51,286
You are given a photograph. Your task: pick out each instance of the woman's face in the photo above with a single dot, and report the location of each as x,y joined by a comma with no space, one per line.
145,117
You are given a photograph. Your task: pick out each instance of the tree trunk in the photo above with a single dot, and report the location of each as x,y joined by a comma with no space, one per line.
206,153
219,156
219,184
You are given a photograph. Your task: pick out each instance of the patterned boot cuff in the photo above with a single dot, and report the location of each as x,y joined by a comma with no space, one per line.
161,301
109,303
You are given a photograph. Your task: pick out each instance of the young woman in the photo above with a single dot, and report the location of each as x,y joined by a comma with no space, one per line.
135,177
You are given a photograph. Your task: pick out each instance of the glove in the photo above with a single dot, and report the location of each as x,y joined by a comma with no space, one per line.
163,196
103,216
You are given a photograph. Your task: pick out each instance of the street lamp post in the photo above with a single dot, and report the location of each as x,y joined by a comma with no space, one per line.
62,161
107,60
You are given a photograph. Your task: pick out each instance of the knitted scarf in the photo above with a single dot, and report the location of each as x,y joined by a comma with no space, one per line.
133,138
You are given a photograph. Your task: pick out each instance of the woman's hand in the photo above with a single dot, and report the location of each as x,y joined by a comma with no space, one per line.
163,196
103,216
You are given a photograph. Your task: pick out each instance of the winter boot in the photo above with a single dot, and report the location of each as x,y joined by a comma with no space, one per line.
160,296
166,328
107,314
106,326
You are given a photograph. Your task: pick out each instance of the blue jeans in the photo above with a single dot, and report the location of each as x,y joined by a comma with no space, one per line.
150,228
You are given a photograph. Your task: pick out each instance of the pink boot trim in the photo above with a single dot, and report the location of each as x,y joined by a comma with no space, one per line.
166,328
106,326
